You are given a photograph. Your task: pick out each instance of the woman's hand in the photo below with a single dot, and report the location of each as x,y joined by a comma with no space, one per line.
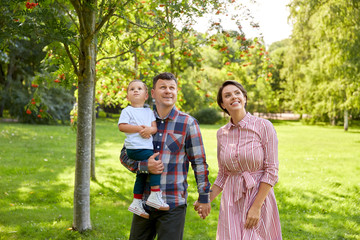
196,205
253,216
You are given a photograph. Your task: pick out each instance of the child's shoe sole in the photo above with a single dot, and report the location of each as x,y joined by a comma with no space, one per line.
135,211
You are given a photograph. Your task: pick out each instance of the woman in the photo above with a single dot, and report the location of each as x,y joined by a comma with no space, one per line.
248,170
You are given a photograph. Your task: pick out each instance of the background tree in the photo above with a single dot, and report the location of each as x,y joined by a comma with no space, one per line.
321,68
22,65
80,31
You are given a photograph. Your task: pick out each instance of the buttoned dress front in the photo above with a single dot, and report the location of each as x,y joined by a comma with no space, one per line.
247,156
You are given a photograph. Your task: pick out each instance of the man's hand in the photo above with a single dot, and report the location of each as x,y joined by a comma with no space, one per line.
155,166
203,209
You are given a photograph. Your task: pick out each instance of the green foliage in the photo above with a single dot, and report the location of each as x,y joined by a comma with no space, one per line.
229,55
14,97
207,116
141,40
182,51
321,68
28,90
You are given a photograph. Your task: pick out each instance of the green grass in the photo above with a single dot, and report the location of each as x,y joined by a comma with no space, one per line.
318,192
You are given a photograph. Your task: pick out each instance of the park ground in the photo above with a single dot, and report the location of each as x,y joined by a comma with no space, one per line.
318,192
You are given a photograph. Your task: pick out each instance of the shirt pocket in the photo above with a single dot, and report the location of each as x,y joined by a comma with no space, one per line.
174,142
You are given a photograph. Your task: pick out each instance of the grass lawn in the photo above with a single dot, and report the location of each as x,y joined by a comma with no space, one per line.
318,192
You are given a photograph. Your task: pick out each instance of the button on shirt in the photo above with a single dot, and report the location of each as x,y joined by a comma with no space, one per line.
179,142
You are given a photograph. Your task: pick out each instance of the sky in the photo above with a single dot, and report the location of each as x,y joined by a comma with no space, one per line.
270,14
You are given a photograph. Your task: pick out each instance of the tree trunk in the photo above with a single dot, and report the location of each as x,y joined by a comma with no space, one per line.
172,49
7,81
346,119
136,66
86,81
93,123
2,83
171,39
332,121
93,137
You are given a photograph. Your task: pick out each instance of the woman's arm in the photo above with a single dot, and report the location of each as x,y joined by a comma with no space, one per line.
215,191
269,143
268,180
254,212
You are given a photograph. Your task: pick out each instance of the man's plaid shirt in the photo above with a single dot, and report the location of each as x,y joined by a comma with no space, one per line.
179,142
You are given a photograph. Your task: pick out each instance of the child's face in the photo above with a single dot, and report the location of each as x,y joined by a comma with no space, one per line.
137,94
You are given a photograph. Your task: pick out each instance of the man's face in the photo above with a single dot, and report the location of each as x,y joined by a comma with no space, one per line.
164,93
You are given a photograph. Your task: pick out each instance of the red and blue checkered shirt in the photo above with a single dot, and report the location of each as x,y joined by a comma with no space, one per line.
179,142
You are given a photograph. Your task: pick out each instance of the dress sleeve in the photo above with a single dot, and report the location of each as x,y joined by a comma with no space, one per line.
269,143
222,173
195,152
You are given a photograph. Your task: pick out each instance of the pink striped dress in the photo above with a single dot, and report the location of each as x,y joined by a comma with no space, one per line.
247,155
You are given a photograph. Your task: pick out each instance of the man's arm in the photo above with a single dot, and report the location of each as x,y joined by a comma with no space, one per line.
195,151
151,165
128,163
196,154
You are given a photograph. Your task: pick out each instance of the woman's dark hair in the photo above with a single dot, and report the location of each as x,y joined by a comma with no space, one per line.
164,76
226,83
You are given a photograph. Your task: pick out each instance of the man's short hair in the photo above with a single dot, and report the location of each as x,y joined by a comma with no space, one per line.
164,76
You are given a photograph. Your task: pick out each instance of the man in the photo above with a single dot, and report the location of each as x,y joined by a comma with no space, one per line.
178,142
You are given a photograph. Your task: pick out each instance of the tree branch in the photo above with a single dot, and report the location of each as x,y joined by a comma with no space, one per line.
77,6
136,24
103,37
106,17
68,13
75,46
71,59
101,9
131,49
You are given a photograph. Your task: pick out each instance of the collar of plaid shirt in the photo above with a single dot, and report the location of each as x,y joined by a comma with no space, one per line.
172,114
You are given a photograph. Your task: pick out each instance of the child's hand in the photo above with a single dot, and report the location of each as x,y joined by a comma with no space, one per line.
145,132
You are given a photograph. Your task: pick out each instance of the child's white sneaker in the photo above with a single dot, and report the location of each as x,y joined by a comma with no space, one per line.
155,200
137,208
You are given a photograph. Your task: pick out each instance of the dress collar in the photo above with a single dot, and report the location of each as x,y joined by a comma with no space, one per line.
243,122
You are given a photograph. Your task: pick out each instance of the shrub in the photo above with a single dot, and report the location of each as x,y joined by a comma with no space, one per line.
207,116
55,102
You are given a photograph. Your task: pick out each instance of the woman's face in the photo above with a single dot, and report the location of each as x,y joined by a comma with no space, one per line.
233,99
